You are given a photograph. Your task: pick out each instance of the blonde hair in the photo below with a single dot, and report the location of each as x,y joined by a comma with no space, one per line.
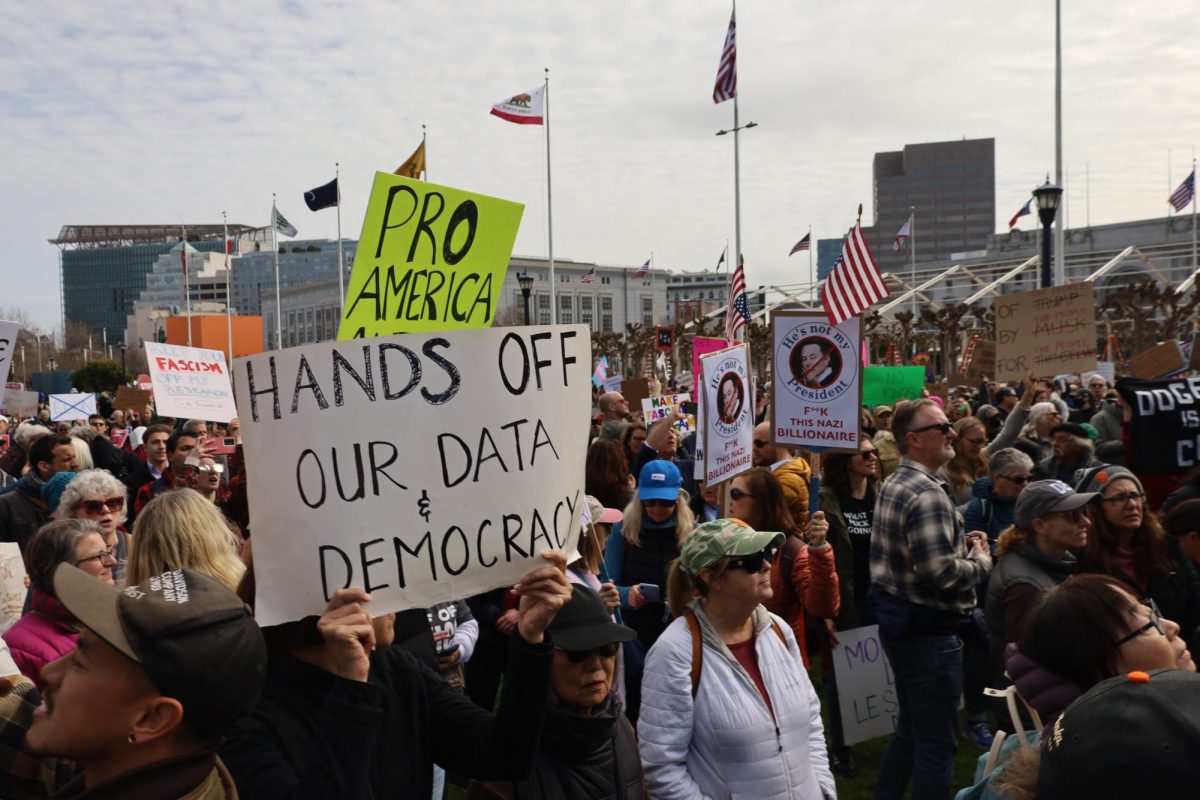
631,523
83,453
181,529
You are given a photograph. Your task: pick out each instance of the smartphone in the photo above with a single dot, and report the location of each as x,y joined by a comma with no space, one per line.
688,407
650,592
448,650
222,446
3,440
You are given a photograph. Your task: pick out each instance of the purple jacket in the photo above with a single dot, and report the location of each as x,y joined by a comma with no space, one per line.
1048,692
36,640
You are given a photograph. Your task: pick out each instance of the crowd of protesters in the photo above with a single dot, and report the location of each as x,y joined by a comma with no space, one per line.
996,536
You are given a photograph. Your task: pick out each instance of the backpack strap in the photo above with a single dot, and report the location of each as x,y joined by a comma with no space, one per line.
697,647
778,632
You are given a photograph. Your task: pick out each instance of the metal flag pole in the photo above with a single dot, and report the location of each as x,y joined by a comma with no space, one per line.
812,276
228,291
187,290
912,262
278,302
550,207
1060,275
341,273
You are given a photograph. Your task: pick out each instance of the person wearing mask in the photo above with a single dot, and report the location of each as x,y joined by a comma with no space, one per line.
803,578
848,485
638,557
96,495
1072,453
729,710
181,530
924,571
154,684
343,714
48,631
1129,544
587,747
23,510
995,494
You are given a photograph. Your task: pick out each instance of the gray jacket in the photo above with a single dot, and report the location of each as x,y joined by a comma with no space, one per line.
1108,423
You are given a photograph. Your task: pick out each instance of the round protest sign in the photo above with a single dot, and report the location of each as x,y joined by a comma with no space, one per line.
818,381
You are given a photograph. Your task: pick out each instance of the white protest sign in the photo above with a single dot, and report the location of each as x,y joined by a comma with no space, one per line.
190,382
20,403
817,390
421,467
728,396
656,408
1106,369
8,346
67,407
865,686
613,383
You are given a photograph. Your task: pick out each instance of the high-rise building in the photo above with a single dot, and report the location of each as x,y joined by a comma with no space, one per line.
952,186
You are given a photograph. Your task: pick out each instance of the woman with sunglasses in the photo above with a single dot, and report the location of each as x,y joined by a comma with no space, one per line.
48,631
728,708
96,495
637,558
995,494
1129,544
803,578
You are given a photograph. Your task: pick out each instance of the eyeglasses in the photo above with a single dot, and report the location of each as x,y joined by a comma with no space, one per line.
867,455
760,443
1020,480
738,494
753,562
113,504
102,556
1155,622
217,468
941,427
579,656
1122,499
658,503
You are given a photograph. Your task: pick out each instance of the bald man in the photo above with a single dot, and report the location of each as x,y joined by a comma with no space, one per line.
793,472
613,406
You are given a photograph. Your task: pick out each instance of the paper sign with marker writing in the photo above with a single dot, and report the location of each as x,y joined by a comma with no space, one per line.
886,385
68,407
430,258
190,382
20,403
1045,332
866,688
656,408
421,467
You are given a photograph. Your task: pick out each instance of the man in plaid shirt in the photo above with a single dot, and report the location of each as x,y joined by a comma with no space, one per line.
923,576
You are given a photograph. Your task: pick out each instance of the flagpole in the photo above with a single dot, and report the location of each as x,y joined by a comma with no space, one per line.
278,301
187,291
1060,275
550,210
424,154
812,277
341,273
912,262
228,290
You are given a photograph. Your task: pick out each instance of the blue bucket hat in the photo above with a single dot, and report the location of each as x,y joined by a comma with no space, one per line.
659,480
52,490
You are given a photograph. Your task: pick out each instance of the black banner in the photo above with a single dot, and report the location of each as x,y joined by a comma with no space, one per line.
1164,429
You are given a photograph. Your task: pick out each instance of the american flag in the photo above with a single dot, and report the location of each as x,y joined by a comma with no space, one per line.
1184,194
855,282
726,86
803,244
643,270
590,277
737,313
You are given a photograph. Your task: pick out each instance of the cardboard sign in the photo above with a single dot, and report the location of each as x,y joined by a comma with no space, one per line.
886,385
430,258
728,392
656,408
1166,416
423,468
664,338
1046,332
941,390
190,382
982,364
866,688
20,403
8,346
635,390
1158,362
817,390
129,399
67,407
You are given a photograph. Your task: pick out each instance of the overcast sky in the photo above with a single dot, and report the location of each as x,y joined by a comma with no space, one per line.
169,112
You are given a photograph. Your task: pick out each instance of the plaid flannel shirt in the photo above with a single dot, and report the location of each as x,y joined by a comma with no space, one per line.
918,552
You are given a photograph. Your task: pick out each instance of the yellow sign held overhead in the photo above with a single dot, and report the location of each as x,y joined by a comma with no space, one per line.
430,258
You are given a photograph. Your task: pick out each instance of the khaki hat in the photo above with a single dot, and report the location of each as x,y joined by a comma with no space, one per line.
711,541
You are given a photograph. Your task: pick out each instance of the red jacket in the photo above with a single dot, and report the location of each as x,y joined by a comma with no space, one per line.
811,587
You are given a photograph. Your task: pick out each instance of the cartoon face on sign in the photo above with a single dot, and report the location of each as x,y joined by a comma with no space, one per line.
821,361
732,400
731,395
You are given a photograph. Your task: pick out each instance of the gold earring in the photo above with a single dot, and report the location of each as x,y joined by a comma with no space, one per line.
132,739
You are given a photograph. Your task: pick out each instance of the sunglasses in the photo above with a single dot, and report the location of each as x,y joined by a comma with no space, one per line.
753,562
579,656
738,494
759,443
217,468
1020,480
941,427
867,454
113,504
658,503
1155,622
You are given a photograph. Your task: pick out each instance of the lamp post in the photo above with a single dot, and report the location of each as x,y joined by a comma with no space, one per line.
53,362
525,281
1047,196
124,376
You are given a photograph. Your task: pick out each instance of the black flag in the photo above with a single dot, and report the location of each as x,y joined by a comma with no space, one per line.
322,196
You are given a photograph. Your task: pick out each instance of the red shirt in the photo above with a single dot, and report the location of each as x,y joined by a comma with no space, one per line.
747,656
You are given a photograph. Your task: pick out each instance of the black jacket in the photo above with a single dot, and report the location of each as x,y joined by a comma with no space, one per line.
315,735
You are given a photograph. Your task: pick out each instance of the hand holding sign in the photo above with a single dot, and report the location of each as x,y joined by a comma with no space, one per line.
349,634
543,593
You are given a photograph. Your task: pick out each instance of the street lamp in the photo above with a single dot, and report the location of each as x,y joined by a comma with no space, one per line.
53,362
1047,196
525,281
124,377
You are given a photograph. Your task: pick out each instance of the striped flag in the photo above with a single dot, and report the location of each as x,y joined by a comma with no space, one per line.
1012,223
1184,194
737,312
726,86
903,234
600,374
643,270
855,283
590,277
803,244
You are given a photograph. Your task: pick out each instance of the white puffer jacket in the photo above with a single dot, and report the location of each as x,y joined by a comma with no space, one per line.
724,743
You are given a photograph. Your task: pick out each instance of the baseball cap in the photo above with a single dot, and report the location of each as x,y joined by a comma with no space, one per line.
1045,497
597,513
659,480
715,539
1125,736
197,642
584,623
1098,478
879,410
